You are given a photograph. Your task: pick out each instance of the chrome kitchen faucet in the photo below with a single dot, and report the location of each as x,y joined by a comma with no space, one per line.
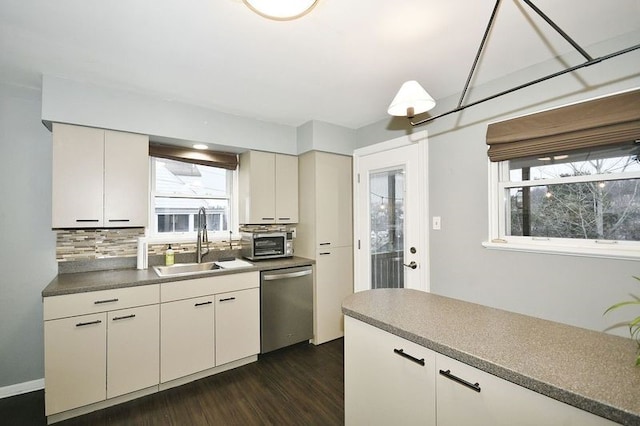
202,234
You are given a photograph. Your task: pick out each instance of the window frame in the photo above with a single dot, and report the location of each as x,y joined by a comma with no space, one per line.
152,235
499,183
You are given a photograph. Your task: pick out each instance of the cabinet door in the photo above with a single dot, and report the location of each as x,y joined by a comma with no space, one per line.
77,179
382,386
257,187
237,325
186,337
334,282
334,200
126,179
133,349
286,188
75,362
467,395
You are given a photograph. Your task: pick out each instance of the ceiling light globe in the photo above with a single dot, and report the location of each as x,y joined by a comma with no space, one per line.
281,10
410,100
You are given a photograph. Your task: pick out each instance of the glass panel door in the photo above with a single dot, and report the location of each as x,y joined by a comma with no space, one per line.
389,203
386,207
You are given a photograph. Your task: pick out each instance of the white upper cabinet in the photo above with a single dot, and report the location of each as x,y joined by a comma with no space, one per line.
334,200
126,179
78,179
326,202
268,186
286,184
99,178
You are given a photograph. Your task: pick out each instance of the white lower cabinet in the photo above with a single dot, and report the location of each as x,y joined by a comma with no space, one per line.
384,387
388,380
186,337
133,349
333,283
75,361
99,345
237,324
208,322
105,347
467,395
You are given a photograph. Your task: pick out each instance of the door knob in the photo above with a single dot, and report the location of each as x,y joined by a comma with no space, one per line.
412,265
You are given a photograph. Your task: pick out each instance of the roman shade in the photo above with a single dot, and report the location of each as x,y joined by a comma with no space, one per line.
599,122
223,160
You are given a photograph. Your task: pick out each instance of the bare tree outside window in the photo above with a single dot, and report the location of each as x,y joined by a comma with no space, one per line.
598,200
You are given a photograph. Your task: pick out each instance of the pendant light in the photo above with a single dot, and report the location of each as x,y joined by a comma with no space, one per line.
410,100
281,10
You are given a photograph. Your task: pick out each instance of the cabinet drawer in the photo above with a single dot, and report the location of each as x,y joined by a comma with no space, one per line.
178,290
69,305
467,395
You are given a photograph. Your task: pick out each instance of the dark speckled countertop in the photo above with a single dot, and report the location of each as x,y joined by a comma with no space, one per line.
587,369
81,282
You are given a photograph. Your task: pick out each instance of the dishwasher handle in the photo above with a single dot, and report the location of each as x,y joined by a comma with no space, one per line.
272,277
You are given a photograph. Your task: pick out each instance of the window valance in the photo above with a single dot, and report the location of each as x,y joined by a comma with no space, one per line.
223,160
603,121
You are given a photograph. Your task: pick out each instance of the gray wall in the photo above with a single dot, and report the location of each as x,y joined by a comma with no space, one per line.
322,136
27,263
569,289
74,102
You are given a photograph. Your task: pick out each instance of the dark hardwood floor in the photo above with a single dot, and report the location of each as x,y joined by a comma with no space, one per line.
299,385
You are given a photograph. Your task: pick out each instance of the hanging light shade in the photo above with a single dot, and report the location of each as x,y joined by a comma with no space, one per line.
281,9
411,99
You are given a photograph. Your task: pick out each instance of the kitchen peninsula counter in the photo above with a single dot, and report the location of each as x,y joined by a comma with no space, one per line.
81,282
590,370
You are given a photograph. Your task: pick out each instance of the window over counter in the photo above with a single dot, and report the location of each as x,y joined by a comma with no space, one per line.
568,180
180,188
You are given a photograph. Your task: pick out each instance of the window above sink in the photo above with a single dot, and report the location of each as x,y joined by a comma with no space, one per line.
179,189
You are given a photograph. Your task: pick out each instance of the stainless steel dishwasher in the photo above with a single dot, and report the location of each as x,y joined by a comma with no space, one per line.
286,307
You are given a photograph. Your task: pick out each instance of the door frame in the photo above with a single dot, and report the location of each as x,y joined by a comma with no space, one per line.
420,138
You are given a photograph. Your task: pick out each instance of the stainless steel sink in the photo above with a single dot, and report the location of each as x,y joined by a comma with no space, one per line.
180,269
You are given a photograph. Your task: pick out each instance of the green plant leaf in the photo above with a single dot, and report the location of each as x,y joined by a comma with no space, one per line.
619,305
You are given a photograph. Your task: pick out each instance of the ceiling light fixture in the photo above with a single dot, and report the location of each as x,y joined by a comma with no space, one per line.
281,10
410,100
409,103
200,146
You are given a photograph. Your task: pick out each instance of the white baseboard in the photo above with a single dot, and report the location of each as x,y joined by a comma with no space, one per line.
20,388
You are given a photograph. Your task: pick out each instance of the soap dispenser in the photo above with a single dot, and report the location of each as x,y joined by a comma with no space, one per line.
169,257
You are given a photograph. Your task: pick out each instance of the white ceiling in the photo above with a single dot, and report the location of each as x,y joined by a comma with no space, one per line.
342,63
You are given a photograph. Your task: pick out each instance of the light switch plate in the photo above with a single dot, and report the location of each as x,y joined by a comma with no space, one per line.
436,222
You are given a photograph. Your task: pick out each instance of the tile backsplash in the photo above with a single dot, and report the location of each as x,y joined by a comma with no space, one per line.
91,244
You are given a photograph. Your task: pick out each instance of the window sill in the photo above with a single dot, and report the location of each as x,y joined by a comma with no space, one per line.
622,253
